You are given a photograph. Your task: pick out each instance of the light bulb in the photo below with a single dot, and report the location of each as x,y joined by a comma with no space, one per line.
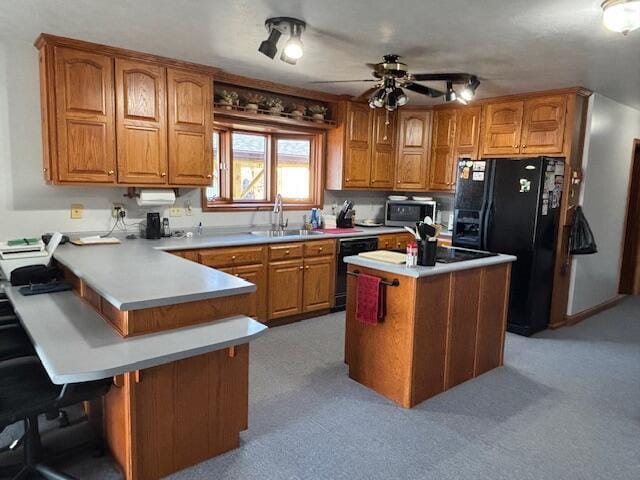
467,93
293,48
621,15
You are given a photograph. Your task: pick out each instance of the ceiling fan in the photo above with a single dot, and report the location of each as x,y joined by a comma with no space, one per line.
391,76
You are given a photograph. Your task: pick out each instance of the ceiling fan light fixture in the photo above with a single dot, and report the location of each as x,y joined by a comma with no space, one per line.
378,98
621,16
401,97
391,101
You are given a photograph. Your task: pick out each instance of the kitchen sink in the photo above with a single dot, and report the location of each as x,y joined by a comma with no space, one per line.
285,233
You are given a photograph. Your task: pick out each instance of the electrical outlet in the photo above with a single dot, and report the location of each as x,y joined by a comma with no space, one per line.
176,211
188,211
76,211
118,210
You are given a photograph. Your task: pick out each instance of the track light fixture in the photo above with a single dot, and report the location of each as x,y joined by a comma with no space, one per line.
278,26
450,95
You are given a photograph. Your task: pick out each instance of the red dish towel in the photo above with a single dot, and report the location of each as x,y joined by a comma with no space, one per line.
369,299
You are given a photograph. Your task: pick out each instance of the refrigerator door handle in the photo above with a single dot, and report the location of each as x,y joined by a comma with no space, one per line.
486,223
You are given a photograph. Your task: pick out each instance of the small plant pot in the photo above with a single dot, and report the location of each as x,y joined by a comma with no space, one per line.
275,111
318,117
226,105
297,114
251,107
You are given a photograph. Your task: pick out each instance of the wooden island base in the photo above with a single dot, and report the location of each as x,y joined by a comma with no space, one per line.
438,332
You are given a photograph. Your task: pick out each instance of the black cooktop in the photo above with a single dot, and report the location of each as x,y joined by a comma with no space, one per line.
453,254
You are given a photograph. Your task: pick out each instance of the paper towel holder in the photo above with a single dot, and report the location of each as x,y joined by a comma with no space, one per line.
134,192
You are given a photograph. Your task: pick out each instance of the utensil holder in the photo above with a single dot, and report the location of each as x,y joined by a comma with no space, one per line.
427,252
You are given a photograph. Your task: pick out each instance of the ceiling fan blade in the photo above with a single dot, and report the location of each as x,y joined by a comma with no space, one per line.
441,77
416,87
347,81
366,94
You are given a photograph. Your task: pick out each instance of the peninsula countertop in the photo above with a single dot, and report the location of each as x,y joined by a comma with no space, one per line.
137,274
75,344
439,268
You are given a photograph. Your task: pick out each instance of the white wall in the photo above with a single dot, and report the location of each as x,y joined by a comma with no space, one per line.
30,207
606,164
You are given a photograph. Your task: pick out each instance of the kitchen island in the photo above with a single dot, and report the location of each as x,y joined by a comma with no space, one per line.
443,325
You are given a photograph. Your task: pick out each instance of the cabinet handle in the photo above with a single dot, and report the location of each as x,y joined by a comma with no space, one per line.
111,172
515,146
163,174
307,267
320,249
233,257
44,170
301,267
236,275
348,179
286,252
524,146
209,176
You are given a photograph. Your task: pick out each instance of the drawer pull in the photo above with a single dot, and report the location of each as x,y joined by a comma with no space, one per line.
286,252
301,267
233,257
320,249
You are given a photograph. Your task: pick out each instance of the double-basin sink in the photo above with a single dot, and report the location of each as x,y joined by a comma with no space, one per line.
286,233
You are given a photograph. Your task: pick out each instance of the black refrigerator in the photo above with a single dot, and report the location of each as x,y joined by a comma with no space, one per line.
511,206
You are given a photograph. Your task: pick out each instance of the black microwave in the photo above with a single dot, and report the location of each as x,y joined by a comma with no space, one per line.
408,212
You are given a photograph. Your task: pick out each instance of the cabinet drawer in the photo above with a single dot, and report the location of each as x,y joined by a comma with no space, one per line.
387,242
283,252
221,257
322,247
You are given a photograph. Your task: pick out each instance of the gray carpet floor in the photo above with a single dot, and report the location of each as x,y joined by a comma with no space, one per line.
566,405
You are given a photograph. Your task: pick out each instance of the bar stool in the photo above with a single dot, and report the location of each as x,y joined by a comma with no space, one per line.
14,342
28,392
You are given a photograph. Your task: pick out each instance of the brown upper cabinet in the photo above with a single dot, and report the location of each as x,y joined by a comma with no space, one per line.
414,138
141,122
361,149
442,151
525,127
84,116
190,127
468,133
110,117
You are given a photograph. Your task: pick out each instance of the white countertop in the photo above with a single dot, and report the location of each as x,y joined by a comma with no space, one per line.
137,274
75,344
134,275
419,271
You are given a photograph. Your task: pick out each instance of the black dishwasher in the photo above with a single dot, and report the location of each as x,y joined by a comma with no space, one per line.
346,248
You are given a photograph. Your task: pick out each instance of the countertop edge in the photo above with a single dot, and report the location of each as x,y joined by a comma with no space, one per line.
440,268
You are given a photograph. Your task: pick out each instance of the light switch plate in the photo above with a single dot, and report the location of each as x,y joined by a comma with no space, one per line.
76,211
176,211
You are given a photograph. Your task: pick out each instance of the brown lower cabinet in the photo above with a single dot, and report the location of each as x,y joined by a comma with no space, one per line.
394,241
291,278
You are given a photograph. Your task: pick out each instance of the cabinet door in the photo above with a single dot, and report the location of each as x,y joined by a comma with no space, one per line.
387,242
190,128
543,125
413,150
502,128
141,122
382,156
257,275
285,288
85,117
442,145
318,283
358,146
467,134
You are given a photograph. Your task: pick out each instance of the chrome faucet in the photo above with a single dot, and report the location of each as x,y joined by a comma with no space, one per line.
280,223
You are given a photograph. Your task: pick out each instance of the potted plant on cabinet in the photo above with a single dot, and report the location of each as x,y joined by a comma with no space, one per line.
298,110
228,98
317,113
274,104
253,101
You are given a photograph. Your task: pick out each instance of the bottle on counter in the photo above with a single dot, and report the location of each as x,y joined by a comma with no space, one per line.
314,218
166,229
412,254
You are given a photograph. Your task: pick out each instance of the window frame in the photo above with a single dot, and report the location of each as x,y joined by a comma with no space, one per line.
316,178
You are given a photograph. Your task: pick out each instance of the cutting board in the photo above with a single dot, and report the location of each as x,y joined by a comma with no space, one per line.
385,256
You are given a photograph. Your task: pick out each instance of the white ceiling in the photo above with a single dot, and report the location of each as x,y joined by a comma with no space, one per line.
513,46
